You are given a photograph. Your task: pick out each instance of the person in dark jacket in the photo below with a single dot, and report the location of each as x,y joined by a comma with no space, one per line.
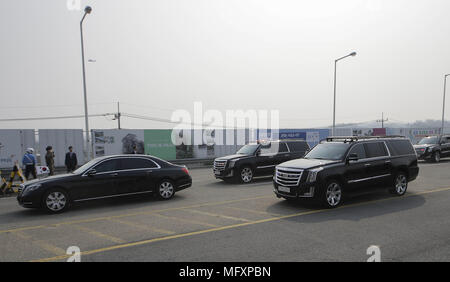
50,159
71,160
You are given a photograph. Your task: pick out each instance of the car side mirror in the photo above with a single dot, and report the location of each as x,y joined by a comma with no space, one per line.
258,153
92,172
352,157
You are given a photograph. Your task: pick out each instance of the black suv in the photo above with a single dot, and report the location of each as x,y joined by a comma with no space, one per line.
433,147
339,166
258,159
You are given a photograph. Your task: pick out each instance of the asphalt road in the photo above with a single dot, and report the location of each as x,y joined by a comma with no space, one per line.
217,221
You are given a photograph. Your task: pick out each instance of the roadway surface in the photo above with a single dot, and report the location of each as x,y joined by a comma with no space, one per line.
217,221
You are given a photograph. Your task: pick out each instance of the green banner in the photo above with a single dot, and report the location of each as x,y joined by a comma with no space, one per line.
158,143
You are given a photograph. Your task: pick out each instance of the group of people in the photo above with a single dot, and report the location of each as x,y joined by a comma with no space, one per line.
29,163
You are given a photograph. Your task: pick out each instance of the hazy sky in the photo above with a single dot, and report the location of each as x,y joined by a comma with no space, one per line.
158,56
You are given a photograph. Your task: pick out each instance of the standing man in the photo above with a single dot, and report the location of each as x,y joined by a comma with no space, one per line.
50,159
71,160
29,162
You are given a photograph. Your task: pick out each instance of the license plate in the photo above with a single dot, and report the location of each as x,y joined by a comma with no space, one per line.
284,189
216,172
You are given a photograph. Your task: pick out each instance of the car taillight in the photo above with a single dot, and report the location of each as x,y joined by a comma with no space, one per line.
185,170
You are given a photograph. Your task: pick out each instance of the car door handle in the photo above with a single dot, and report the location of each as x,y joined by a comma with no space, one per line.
388,162
149,172
114,174
367,164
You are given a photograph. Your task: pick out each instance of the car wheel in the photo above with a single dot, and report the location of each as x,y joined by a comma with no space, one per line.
246,174
166,189
400,184
55,201
332,194
436,157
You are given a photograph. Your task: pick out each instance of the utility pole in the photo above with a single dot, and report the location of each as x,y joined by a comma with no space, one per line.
382,120
117,116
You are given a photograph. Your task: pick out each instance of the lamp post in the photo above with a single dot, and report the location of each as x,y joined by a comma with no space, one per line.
443,103
334,101
87,10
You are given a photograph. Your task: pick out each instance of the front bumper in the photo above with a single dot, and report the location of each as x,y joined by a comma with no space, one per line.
304,190
226,173
29,201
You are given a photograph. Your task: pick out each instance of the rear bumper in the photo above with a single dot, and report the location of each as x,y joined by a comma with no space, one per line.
413,173
183,184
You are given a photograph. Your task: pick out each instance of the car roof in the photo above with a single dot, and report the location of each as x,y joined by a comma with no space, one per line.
353,139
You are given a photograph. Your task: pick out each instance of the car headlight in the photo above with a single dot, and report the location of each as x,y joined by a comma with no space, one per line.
430,149
31,187
312,174
232,163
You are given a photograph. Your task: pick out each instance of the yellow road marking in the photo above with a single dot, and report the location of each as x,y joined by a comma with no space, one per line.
133,214
218,215
185,220
254,211
42,244
144,242
100,234
143,227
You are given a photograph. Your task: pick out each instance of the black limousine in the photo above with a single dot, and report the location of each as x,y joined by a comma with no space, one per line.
106,177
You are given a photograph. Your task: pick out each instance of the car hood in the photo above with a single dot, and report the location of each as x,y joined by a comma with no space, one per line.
51,179
232,157
423,146
306,163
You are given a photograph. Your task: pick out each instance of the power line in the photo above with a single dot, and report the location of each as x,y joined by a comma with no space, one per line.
53,117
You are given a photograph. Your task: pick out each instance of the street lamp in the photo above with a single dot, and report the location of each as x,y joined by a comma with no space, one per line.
334,102
87,10
443,103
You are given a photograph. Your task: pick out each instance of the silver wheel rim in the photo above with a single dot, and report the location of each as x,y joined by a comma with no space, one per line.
246,174
166,190
56,201
334,194
437,157
401,184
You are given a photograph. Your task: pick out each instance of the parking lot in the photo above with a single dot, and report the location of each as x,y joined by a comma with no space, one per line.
217,221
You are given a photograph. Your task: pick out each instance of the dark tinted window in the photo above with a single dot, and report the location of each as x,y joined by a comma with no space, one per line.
446,139
136,163
110,165
375,149
298,146
283,148
400,147
328,151
359,150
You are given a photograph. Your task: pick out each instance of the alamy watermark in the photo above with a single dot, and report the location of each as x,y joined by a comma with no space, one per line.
231,127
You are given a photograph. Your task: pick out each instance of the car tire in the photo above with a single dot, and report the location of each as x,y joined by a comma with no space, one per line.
165,189
436,157
245,174
400,184
332,194
56,200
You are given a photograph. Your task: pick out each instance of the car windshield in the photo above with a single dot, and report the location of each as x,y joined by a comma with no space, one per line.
328,151
428,140
82,168
249,149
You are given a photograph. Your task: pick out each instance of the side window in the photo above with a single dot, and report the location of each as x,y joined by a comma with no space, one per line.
400,147
106,166
446,140
375,149
298,146
269,149
359,150
283,148
137,163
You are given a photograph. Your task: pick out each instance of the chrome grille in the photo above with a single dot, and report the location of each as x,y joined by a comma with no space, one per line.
288,176
219,165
